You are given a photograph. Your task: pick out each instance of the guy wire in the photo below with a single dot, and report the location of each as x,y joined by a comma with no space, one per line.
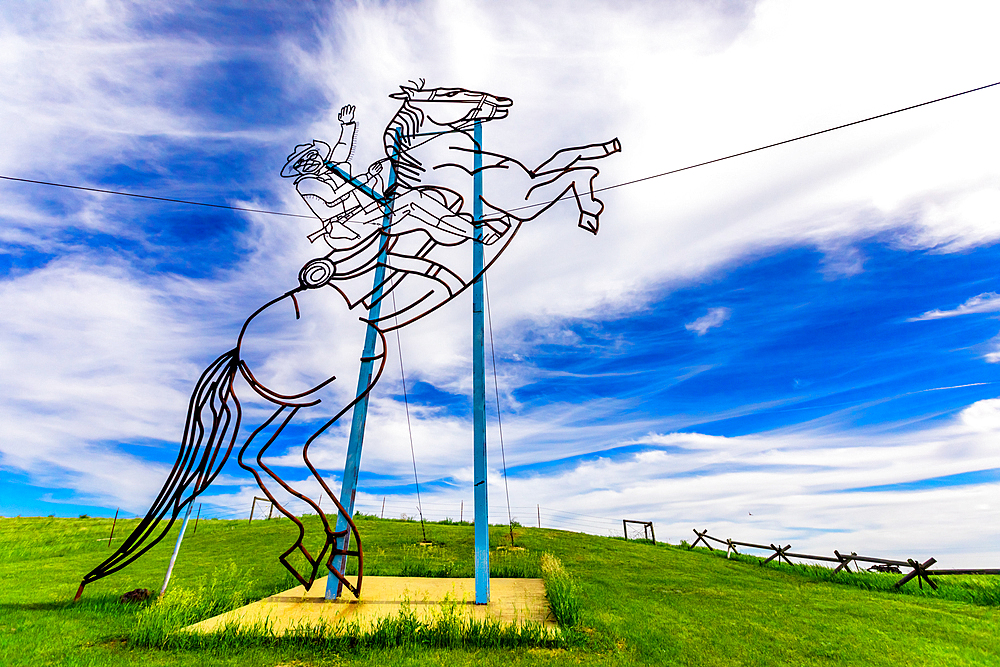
496,388
409,428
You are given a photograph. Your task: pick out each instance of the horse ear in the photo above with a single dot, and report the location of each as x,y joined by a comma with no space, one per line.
405,92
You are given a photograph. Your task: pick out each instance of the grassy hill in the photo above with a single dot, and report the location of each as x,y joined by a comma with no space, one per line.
640,604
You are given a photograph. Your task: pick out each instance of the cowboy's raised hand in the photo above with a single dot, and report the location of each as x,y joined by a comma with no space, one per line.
346,114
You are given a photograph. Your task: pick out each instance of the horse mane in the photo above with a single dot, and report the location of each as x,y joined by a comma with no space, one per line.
398,138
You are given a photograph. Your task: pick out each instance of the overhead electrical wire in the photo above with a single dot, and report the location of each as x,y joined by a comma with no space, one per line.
608,187
166,199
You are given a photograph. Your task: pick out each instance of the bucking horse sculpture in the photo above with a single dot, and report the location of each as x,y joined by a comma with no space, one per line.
404,218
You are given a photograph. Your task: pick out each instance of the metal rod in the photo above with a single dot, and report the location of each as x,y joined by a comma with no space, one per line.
482,527
383,508
352,465
177,548
252,507
194,531
113,526
539,508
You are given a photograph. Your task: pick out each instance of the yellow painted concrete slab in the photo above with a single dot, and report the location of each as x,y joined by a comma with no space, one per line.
511,601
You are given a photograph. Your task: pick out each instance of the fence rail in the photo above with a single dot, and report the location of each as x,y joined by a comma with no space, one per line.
918,570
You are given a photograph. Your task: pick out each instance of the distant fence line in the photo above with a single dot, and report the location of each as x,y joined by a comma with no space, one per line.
921,571
402,507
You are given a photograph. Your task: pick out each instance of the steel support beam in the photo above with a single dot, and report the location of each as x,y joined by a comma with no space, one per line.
349,488
482,530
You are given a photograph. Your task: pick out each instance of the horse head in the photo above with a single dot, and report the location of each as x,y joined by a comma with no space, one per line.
453,107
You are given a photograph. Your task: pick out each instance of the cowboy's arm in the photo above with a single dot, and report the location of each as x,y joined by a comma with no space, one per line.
345,144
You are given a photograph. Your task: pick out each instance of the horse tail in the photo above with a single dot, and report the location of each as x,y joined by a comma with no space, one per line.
213,422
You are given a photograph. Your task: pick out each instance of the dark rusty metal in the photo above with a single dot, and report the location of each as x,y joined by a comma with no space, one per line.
887,569
415,186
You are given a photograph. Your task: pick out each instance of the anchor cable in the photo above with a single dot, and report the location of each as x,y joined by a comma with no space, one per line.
409,428
496,388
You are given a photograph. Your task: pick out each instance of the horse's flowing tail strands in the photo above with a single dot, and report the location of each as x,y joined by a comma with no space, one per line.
213,422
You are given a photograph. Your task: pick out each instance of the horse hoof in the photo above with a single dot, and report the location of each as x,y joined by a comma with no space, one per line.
590,222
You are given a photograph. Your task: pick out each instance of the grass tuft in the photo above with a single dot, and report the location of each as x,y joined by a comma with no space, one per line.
561,591
449,628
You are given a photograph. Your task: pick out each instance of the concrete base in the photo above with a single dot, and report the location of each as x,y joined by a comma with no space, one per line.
511,601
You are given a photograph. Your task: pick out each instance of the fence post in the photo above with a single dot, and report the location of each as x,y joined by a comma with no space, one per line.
383,508
252,506
920,572
113,526
196,517
701,538
730,547
845,561
539,508
779,553
625,529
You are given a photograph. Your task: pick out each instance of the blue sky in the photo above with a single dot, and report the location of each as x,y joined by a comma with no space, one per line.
801,344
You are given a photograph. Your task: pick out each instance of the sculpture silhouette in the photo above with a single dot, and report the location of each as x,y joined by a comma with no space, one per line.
413,225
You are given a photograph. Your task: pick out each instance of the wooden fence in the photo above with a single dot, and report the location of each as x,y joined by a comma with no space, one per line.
918,570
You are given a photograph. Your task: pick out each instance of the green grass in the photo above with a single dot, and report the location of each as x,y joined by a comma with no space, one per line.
627,602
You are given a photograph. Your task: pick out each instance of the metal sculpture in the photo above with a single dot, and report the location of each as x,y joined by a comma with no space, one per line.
403,223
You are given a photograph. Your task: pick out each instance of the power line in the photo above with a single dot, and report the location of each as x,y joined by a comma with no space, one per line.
166,199
609,187
778,143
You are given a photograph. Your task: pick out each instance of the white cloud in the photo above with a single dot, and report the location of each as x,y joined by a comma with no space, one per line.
101,353
715,317
988,302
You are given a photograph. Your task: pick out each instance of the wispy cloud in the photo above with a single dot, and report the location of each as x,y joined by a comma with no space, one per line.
713,318
988,302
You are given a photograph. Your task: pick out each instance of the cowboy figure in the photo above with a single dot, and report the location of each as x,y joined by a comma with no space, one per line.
323,179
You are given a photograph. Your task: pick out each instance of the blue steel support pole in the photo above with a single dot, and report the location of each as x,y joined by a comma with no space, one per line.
353,464
482,531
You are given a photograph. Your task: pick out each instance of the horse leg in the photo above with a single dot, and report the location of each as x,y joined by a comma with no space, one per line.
547,191
338,540
566,158
314,562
